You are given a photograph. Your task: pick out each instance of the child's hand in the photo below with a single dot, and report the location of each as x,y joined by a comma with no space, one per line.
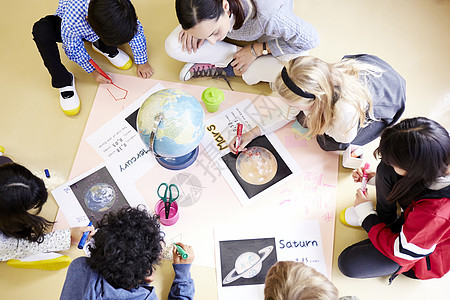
360,197
246,138
99,77
144,71
188,42
357,174
77,232
177,259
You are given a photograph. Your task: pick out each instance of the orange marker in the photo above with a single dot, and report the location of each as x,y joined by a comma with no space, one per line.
99,70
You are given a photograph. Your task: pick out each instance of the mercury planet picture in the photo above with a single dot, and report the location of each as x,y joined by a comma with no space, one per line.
98,193
246,262
257,168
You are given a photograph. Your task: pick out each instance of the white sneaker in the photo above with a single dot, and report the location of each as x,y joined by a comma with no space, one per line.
69,104
121,60
349,217
196,70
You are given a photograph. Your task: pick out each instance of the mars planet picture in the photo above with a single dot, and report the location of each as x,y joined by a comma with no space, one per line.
258,168
256,165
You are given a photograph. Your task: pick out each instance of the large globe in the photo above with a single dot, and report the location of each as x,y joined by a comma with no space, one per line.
182,127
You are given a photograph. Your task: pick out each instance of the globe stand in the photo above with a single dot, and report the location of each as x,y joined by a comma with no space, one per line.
180,162
171,163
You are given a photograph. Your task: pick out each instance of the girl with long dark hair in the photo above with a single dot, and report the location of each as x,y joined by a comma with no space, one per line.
414,174
22,231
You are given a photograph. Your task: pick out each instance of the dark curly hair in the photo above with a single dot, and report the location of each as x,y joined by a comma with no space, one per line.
126,246
21,191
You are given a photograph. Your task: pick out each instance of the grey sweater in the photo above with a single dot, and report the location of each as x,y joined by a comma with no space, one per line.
276,19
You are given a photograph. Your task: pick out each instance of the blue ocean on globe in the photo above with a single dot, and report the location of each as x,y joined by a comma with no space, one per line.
100,197
183,124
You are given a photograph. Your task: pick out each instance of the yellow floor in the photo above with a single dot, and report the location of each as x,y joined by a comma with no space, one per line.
413,36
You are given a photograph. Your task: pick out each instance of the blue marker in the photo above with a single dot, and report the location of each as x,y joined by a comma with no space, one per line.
84,238
47,173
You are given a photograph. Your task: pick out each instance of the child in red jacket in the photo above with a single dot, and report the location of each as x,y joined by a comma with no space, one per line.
414,173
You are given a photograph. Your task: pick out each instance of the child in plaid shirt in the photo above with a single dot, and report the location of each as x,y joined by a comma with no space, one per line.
105,23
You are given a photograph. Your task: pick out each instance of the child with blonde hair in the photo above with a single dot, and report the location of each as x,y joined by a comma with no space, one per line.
348,102
290,280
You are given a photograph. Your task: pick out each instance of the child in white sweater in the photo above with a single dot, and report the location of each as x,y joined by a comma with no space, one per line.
348,102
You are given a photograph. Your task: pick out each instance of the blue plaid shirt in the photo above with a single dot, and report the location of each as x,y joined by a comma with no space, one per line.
75,28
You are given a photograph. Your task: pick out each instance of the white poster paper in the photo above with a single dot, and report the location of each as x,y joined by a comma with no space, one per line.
119,144
221,129
94,193
245,253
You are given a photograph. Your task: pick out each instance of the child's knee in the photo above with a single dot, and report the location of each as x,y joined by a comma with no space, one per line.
172,45
346,264
38,27
41,29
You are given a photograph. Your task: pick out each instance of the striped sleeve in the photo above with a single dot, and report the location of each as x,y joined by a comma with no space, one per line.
138,45
418,237
409,251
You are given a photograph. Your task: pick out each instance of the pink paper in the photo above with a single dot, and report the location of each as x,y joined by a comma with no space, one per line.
205,198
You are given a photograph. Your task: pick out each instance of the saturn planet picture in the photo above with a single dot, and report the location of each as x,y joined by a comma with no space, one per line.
248,265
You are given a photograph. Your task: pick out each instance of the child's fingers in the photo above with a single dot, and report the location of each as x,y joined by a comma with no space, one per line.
232,145
91,230
200,43
181,245
357,174
194,44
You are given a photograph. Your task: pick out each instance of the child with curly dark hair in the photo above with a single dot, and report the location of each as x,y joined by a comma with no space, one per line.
125,249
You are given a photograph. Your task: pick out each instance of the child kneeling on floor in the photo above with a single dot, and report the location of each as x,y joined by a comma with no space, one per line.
107,24
125,249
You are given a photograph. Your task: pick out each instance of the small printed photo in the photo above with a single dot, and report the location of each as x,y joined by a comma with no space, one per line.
258,168
98,194
246,262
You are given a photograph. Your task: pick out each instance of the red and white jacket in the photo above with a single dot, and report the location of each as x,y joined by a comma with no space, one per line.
423,243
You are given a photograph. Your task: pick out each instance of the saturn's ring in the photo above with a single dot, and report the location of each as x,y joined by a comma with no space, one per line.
232,276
